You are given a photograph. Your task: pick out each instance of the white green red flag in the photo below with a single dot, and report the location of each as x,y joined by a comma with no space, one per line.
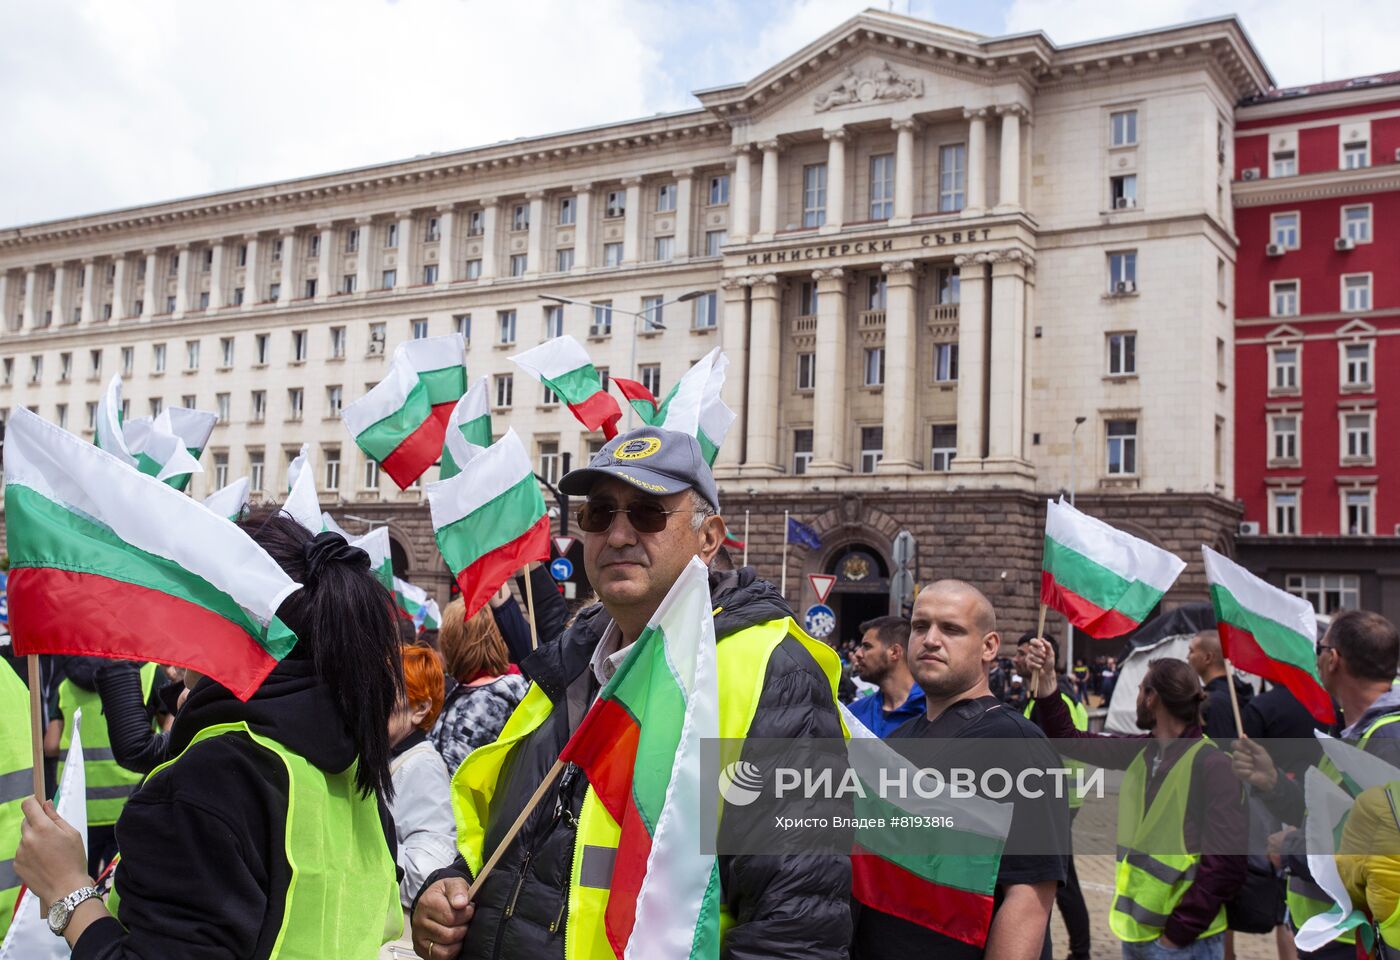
1103,580
108,562
639,397
1328,807
639,744
490,519
415,604
1267,632
468,429
192,427
156,453
376,543
563,365
694,405
402,420
229,501
302,503
892,871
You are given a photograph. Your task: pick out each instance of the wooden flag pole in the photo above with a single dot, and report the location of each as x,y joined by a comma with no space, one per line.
36,723
746,538
1234,697
1039,632
530,805
530,602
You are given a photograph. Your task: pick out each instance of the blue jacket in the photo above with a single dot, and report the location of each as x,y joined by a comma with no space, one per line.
870,710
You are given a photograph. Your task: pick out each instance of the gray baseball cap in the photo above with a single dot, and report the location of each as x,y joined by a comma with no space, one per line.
653,460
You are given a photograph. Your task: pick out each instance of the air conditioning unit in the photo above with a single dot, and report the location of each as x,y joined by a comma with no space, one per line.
1249,173
1124,203
376,346
1249,528
1125,286
1344,243
1274,250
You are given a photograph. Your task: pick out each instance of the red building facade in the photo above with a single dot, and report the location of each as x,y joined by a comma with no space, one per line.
1317,340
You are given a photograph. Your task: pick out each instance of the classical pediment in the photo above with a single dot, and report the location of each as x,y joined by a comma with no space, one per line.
854,88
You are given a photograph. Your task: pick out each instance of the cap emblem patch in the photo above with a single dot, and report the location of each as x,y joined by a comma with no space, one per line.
638,449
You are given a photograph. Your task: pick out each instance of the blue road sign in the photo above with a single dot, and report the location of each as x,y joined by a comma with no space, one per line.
561,569
819,621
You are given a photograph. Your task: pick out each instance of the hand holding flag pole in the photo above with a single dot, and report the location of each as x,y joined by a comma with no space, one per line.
524,815
36,724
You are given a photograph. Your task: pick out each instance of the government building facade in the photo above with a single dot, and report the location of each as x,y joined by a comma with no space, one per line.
954,275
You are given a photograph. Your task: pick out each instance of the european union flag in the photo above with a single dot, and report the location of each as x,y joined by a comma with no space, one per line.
802,535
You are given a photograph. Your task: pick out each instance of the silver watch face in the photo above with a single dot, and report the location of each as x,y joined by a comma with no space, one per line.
59,912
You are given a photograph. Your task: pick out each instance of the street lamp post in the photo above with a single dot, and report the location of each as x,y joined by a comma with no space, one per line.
1073,451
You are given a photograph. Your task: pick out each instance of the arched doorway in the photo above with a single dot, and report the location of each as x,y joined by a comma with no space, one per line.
862,588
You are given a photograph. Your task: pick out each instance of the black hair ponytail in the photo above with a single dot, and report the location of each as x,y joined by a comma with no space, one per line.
343,619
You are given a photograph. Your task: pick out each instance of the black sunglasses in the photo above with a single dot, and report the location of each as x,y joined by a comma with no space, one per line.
646,516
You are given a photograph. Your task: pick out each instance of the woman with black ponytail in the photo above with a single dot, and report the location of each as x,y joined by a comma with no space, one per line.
265,833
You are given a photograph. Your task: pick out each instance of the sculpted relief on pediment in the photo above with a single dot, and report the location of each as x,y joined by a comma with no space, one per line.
869,86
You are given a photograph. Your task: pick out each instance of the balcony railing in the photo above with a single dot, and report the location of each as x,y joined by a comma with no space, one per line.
943,313
872,320
804,325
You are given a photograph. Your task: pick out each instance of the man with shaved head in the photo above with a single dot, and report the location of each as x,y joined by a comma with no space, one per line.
1208,661
953,642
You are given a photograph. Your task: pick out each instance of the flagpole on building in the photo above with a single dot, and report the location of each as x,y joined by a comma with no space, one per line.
746,539
36,723
782,589
530,603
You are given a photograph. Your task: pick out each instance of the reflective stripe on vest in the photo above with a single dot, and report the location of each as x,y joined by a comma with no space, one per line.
16,783
108,783
1154,868
342,899
742,665
1080,716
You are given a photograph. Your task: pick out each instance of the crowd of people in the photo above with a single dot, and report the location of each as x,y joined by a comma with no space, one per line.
348,806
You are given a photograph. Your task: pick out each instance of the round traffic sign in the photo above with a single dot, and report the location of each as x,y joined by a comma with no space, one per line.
819,621
561,569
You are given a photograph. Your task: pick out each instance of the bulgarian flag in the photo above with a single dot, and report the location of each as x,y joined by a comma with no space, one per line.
302,503
1103,580
381,564
468,430
641,399
1267,632
415,604
694,406
107,562
402,420
490,519
897,871
639,745
563,365
192,427
229,501
156,453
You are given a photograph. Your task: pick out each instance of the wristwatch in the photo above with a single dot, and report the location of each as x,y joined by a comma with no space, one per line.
62,910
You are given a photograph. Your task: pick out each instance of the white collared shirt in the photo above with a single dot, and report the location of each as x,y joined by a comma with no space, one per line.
609,654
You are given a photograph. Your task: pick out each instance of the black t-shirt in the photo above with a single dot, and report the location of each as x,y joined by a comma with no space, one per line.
880,935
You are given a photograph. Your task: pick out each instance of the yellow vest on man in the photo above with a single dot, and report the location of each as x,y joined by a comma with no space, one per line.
16,783
108,782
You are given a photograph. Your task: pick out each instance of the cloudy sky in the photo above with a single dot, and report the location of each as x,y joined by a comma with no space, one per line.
110,103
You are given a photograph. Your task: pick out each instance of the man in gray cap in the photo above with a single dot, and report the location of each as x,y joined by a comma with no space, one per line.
650,506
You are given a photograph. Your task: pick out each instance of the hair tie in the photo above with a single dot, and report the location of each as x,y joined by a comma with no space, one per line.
328,548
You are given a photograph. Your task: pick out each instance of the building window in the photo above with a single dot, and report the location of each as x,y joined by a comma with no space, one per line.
1122,128
203,305
1122,354
391,235
814,195
1357,513
806,371
92,415
616,205
650,374
274,292
138,309
1284,298
220,469
370,478
476,226
612,254
1122,272
420,329
666,198
1356,440
881,186
874,366
352,240
473,269
518,263
208,260
223,403
255,469
1122,447
949,284
388,279
706,311
1283,443
505,389
801,451
665,248
1123,191
332,460
1283,227
549,460
520,217
945,362
505,326
807,299
564,260
299,346
169,308
462,323
106,311
157,405
714,239
719,190
337,343
1285,164
430,273
1355,155
348,283
158,358
567,206
1283,513
945,447
128,360
1356,364
1356,223
549,398
94,365
259,406
61,415
276,254
603,378
309,290
952,177
65,367
188,401
1356,292
313,247
191,355
602,319
295,403
876,292
553,321
872,448
1329,593
433,231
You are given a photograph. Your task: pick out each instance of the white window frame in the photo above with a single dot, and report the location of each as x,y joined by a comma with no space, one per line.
649,375
549,460
653,310
1276,528
870,457
1279,235
941,458
418,329
706,316
600,324
1369,495
388,278
553,321
220,469
1126,359
474,269
338,340
945,361
1291,440
1130,447
1274,294
301,340
519,264
563,259
432,231
257,469
296,403
665,248
223,408
1362,301
506,327
1314,588
802,459
331,463
1364,233
191,356
1356,154
1122,268
1124,133
1365,438
476,226
568,211
391,236
1274,390
666,198
369,476
612,254
430,273
1345,362
873,366
257,405
615,205
520,218
504,392
881,190
714,240
1283,163
806,376
719,190
158,358
952,177
813,195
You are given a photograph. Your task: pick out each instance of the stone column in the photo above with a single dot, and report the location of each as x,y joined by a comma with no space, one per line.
404,260
325,271
835,179
216,275
765,366
632,222
1006,420
901,368
286,290
364,256
490,236
741,195
685,188
734,337
89,301
182,280
148,294
447,244
830,417
972,359
903,174
119,288
5,322
534,242
1010,198
583,227
768,191
975,199
31,282
60,294
252,279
